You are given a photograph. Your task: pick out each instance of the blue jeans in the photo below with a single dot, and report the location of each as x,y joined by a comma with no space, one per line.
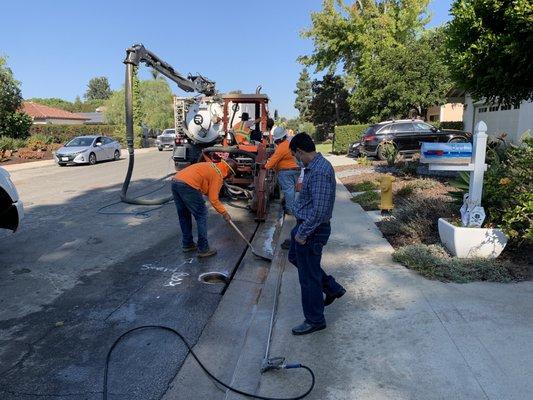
190,202
287,179
313,280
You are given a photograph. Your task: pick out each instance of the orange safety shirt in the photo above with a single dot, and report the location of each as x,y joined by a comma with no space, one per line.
208,178
282,158
242,132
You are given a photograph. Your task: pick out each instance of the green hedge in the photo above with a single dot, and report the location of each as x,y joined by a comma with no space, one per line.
63,133
346,134
449,125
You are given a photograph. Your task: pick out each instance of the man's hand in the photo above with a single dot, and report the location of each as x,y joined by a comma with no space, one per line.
299,240
226,217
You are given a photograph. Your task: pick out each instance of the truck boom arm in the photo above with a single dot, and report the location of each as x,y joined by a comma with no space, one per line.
139,54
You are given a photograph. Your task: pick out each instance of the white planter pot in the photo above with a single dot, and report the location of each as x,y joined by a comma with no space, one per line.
471,242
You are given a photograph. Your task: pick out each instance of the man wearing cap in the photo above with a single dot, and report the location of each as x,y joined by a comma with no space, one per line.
242,129
188,187
283,162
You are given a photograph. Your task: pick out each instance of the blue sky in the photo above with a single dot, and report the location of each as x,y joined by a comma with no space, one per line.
55,47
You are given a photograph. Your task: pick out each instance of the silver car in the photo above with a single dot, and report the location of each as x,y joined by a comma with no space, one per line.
166,139
88,150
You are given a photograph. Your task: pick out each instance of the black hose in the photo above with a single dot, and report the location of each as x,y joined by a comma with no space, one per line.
129,139
209,374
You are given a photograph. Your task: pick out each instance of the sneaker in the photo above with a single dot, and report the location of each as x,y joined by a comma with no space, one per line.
207,253
286,245
188,249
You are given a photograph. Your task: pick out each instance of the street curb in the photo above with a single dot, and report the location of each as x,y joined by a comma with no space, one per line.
247,373
220,346
51,163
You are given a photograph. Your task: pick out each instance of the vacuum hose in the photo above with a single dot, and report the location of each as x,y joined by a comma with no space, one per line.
129,140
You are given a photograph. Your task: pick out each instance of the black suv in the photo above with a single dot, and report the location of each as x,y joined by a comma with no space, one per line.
406,136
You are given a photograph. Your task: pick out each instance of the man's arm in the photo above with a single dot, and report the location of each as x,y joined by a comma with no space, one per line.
322,191
274,159
214,189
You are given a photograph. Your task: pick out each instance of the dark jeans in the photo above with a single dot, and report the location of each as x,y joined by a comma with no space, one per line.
313,280
190,202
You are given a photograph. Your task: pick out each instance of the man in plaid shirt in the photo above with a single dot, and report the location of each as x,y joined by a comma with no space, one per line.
313,211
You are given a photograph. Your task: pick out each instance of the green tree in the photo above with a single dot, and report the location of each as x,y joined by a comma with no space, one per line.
13,122
304,95
490,49
363,36
98,89
400,78
329,106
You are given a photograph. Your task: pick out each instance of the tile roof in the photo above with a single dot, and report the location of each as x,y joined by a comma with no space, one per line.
36,110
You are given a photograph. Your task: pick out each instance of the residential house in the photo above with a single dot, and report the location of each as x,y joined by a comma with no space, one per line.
515,121
42,114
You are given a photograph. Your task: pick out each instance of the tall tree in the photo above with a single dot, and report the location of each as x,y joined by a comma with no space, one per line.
98,89
490,49
401,78
360,37
304,95
13,122
329,106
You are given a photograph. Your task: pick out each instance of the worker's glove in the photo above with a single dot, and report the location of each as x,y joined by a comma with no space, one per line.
226,217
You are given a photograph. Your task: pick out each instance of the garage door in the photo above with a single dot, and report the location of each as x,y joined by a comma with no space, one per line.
498,120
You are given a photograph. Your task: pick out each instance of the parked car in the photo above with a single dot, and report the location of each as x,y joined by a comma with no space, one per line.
11,207
407,135
166,139
88,150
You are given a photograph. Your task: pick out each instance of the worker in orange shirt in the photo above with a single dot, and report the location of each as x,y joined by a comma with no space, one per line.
188,187
284,163
241,129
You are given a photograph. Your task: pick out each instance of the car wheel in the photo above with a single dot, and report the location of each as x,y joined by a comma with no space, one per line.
62,165
92,158
117,155
160,148
457,140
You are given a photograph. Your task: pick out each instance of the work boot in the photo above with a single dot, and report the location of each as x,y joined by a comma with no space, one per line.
189,248
330,299
305,328
207,253
286,245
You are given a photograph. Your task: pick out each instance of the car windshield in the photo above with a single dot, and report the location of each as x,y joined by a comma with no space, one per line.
169,132
369,130
80,142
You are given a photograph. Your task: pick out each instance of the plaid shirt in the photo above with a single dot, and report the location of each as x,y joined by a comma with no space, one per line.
315,204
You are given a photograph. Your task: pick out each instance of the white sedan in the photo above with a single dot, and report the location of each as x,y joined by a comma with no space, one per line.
11,207
88,150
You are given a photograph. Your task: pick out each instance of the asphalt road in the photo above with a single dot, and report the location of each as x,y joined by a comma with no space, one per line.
74,278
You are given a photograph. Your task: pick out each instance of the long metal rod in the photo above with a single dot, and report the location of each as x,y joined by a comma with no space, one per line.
247,242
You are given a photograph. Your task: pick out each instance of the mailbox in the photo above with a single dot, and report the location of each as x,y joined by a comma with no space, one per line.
446,153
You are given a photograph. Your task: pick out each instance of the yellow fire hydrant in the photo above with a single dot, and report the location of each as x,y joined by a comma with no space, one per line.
386,193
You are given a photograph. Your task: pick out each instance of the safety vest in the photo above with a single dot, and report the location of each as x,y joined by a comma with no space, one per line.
240,129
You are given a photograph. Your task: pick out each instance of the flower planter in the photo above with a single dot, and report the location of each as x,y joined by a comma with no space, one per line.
465,242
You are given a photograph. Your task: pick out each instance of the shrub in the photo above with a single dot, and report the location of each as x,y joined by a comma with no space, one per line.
507,188
458,125
30,154
346,134
406,190
434,262
364,160
416,220
410,167
368,200
63,133
39,141
366,186
390,152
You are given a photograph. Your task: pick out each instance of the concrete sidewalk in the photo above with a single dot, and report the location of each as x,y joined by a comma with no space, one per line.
394,335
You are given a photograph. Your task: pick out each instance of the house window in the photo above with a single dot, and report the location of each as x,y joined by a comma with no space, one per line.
493,108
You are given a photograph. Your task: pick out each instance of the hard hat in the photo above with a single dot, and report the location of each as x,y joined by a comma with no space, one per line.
279,132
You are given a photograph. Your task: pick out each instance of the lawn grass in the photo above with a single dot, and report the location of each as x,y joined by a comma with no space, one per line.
324,148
